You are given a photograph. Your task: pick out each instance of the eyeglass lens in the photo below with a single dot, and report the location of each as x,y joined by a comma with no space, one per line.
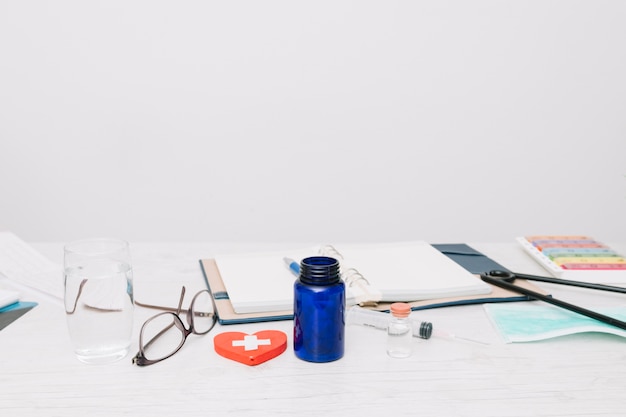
163,334
201,317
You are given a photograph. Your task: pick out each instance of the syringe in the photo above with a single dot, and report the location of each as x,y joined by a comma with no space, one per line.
380,320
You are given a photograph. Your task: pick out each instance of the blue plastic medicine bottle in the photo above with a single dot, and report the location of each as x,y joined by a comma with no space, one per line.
319,307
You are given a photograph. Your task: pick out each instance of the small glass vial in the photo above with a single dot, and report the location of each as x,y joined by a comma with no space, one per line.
379,320
319,308
399,333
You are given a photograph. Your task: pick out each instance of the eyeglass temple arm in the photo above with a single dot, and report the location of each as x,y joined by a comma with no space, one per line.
180,303
170,309
173,310
154,307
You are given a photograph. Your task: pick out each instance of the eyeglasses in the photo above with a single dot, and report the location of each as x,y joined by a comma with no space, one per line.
163,335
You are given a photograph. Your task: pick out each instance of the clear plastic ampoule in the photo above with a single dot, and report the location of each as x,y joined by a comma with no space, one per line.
399,334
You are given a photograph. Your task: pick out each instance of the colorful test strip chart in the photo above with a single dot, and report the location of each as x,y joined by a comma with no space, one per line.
578,253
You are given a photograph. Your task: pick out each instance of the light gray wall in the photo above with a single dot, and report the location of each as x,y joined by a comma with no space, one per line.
322,121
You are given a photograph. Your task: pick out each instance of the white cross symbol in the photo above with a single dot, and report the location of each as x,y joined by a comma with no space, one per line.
250,342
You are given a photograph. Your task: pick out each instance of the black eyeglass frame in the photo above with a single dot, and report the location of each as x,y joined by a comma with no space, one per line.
140,360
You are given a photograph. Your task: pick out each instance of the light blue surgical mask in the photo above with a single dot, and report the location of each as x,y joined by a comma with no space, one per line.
528,322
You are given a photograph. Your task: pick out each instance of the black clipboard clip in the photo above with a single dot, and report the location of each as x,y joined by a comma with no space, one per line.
505,279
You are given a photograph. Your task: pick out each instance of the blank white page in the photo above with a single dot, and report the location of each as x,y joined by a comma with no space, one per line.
411,271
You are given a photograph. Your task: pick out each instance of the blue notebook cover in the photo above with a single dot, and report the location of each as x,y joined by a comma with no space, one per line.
13,312
468,257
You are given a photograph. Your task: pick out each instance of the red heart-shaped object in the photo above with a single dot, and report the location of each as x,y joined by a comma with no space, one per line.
251,349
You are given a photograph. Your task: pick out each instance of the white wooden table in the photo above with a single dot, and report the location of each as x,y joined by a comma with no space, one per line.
579,375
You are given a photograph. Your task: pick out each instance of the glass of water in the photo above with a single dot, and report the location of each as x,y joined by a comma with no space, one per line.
99,299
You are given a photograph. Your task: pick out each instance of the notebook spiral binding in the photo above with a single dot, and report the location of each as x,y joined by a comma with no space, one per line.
329,250
368,296
351,276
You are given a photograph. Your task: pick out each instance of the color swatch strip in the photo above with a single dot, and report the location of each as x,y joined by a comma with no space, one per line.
578,253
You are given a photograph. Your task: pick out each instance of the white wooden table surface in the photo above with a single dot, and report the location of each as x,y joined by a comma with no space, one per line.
579,375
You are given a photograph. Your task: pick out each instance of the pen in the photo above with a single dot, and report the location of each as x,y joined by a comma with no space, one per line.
293,266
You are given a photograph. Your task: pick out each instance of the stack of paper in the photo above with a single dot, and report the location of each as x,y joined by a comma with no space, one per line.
8,297
22,264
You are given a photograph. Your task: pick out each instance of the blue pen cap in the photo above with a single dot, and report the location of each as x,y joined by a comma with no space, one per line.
319,270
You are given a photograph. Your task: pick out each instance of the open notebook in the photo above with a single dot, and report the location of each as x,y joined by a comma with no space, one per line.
260,282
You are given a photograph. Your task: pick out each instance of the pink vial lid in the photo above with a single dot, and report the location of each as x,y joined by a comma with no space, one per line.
400,310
